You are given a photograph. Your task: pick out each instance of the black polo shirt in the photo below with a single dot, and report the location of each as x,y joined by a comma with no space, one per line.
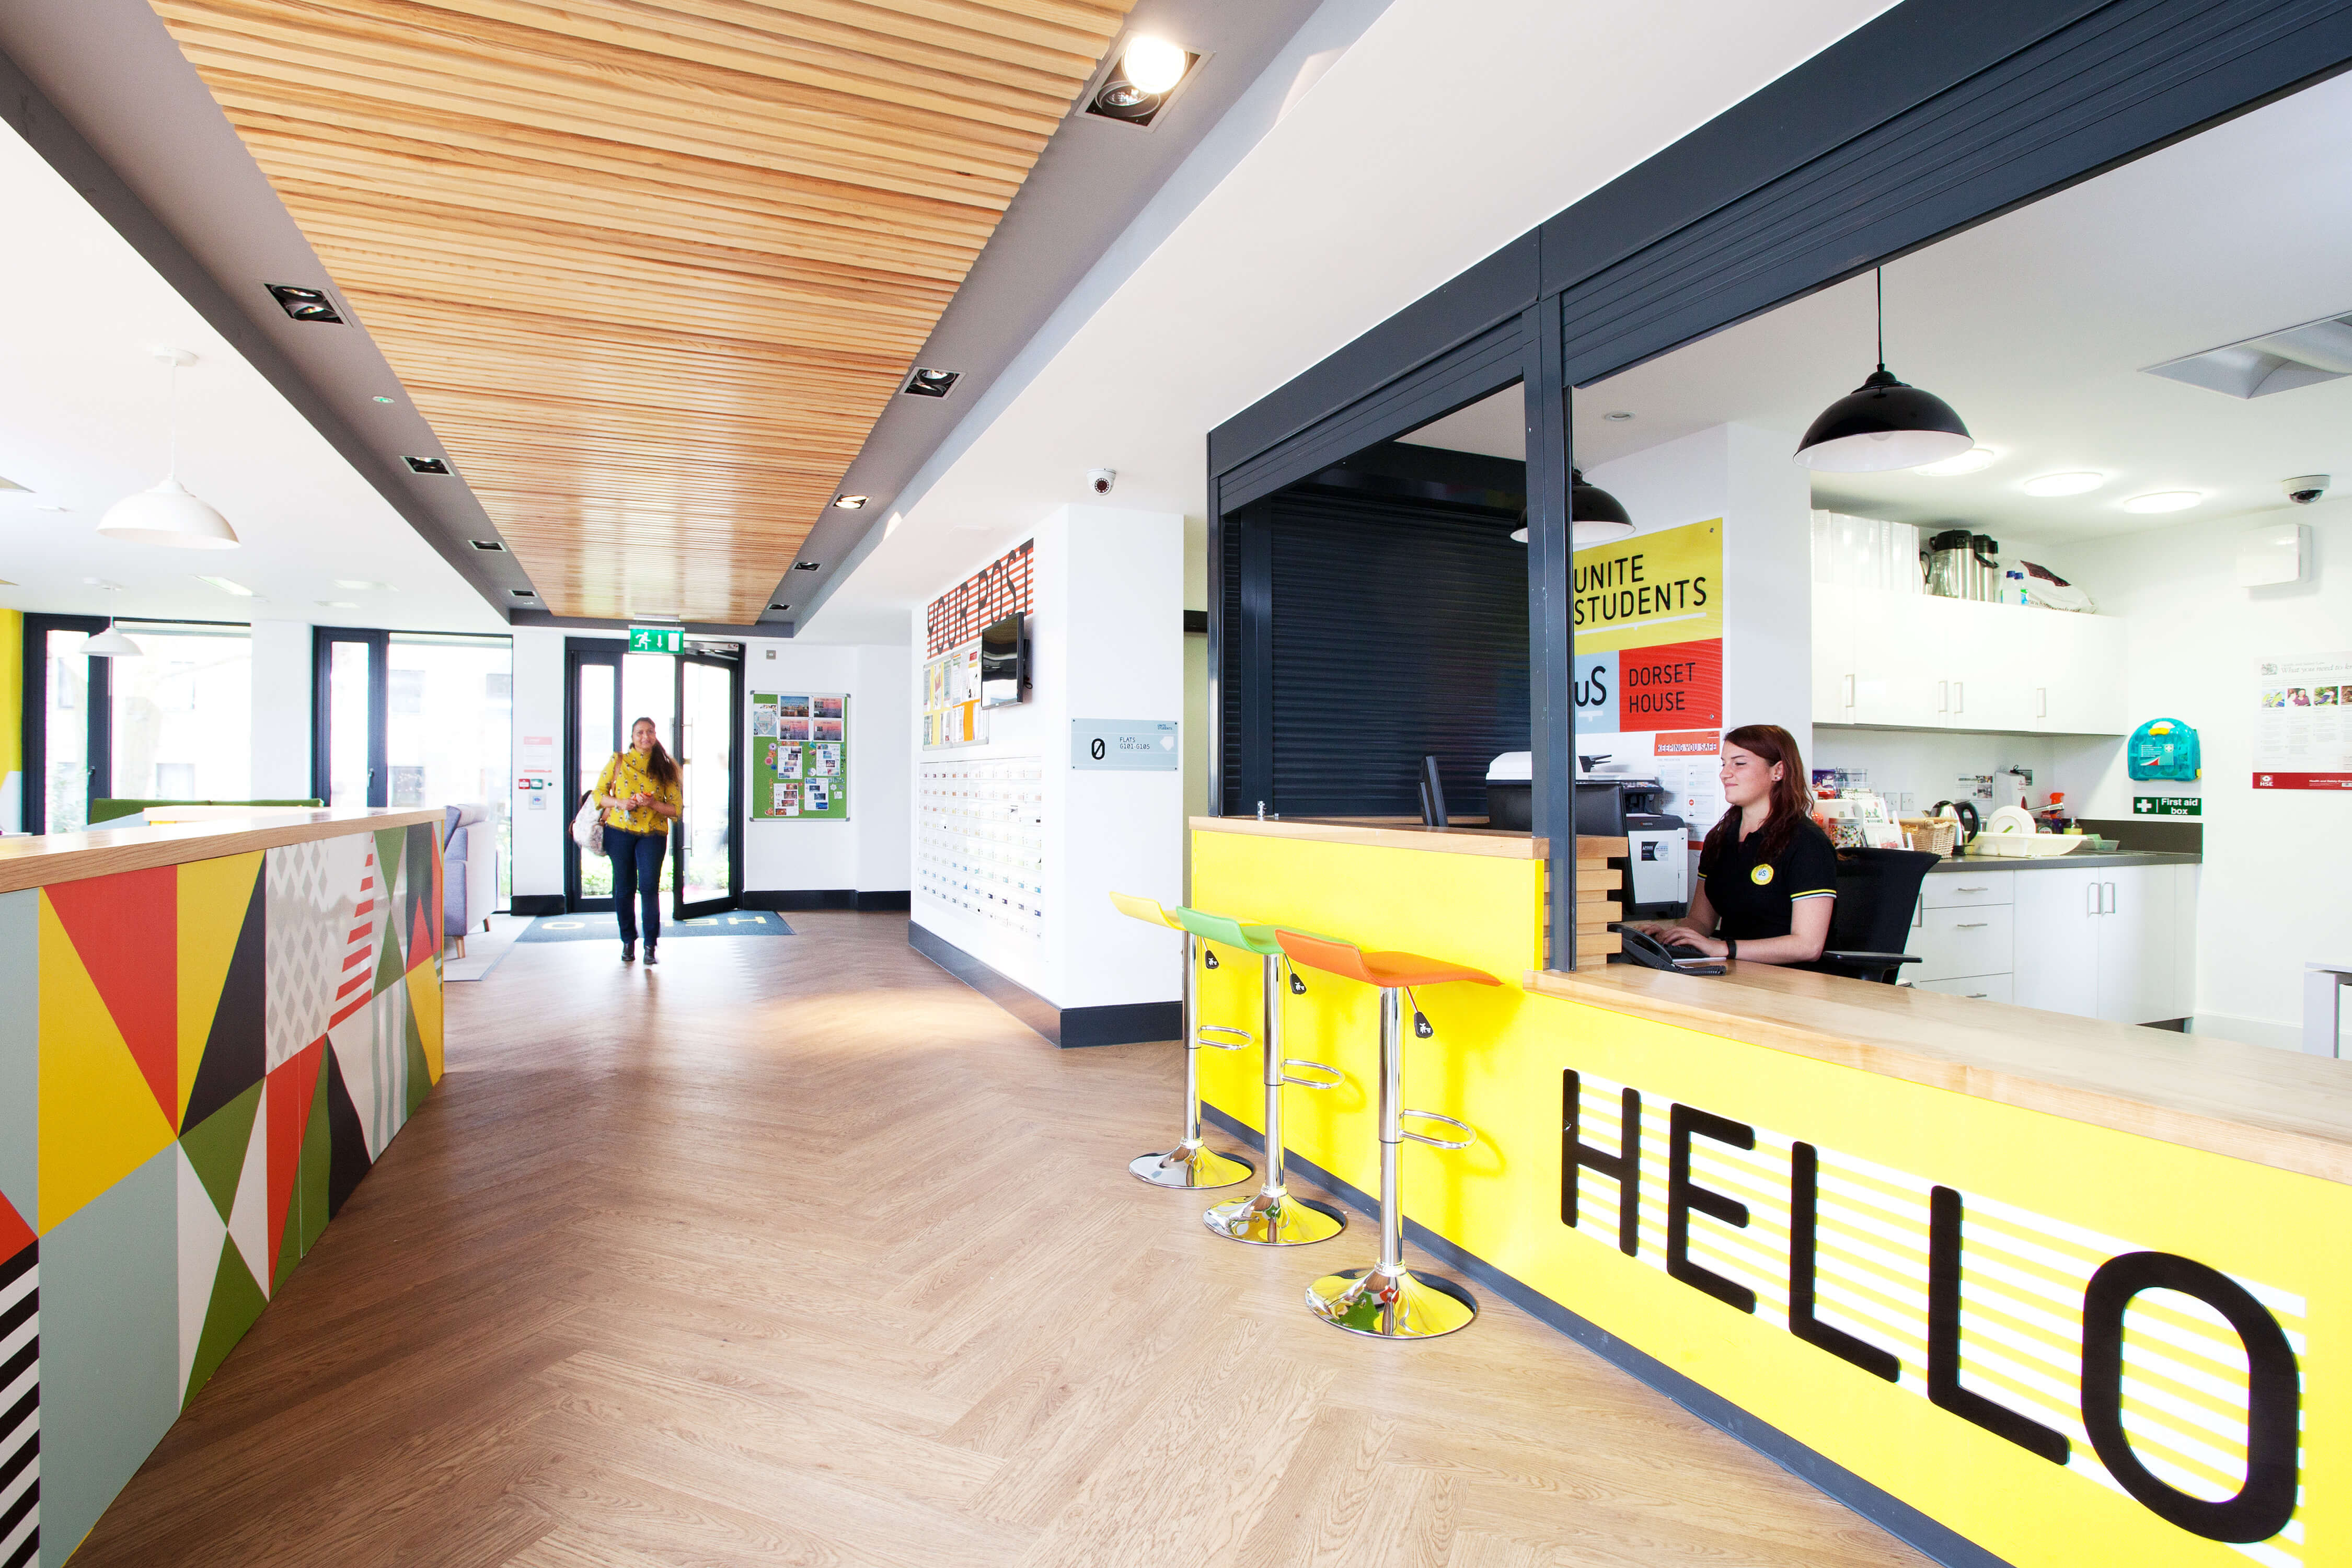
1755,897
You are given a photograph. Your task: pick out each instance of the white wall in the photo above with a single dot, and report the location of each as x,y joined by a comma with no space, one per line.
1107,641
867,852
281,710
2271,894
539,828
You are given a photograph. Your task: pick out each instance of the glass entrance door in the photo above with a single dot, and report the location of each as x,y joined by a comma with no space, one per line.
707,840
592,734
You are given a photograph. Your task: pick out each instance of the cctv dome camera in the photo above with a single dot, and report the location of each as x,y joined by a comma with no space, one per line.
2305,488
1100,480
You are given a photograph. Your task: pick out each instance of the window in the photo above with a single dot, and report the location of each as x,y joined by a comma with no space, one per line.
174,724
408,719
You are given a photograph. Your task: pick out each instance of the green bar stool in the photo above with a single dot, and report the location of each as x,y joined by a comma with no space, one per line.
1270,1216
1389,1301
1192,1163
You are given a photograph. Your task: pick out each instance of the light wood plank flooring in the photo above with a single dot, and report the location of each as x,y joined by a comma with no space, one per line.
796,1251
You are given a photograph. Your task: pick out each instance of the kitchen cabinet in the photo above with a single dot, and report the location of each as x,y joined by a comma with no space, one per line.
2107,941
1922,662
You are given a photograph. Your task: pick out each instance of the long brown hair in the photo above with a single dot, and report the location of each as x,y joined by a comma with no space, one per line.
1792,792
659,765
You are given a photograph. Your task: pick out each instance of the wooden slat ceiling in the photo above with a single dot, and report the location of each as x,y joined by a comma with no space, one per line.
651,268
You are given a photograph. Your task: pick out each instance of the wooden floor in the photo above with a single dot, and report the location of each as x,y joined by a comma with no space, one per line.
796,1251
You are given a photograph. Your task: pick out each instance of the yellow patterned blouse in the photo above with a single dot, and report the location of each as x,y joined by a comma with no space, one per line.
625,775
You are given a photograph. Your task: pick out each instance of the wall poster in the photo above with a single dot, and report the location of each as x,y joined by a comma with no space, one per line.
799,756
953,715
1648,626
2302,739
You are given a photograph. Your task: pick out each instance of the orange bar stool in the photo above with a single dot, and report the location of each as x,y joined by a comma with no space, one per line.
1389,1301
1273,1215
1192,1163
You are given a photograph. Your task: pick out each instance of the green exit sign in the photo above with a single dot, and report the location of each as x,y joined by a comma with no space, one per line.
656,639
2168,805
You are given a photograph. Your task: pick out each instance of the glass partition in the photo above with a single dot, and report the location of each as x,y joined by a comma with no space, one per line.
183,714
66,765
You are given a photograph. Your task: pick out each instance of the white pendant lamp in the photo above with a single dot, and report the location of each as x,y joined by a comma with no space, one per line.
111,644
167,513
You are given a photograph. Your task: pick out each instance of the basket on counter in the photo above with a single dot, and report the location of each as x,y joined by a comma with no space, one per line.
1935,835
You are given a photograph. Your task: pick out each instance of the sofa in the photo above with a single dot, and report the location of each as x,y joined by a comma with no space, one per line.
469,872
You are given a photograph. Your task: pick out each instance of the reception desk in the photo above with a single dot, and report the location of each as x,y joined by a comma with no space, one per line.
2025,1288
210,1032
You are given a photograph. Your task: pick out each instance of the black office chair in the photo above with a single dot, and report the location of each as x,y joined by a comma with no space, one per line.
1877,889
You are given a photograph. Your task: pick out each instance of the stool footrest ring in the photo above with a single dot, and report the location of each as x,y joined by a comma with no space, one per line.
1242,1038
1470,1134
1334,1081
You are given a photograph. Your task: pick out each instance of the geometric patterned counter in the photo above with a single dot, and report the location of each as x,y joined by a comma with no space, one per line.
198,1063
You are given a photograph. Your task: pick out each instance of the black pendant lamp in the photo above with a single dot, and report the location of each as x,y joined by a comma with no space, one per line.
1594,516
1883,425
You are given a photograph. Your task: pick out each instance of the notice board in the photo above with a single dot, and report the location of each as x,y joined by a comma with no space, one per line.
2303,737
799,756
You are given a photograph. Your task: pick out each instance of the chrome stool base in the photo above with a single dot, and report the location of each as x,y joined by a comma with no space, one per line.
1274,1220
1192,1165
1400,1306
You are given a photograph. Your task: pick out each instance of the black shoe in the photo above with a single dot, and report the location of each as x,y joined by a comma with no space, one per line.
651,956
629,952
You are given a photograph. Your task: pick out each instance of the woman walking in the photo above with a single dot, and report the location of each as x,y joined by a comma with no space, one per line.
639,793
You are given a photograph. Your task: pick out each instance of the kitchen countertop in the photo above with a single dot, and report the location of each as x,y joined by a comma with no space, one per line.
2060,862
36,862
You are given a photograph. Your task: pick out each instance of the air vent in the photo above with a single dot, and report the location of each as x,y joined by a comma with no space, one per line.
485,544
927,383
304,304
521,593
2275,362
426,465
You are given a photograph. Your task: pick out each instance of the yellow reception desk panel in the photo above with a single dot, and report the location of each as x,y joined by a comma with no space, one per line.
2048,1315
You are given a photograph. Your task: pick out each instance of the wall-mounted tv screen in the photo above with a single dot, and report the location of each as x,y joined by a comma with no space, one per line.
1003,662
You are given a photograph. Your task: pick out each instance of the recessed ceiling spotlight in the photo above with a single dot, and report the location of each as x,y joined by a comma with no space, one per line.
363,586
225,586
1618,417
805,565
337,604
2073,484
522,594
927,383
1967,462
485,544
426,465
1155,65
780,606
304,304
2165,501
849,503
383,400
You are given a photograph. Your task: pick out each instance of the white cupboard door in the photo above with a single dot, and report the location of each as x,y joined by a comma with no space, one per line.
1833,672
1991,665
1899,641
2056,966
2075,674
2137,939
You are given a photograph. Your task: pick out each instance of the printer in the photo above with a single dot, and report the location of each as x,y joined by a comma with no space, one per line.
1610,804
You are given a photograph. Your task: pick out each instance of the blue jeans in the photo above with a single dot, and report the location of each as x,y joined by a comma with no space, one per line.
637,879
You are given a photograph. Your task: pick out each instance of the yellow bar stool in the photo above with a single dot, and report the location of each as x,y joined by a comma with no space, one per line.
1192,1163
1271,1217
1389,1301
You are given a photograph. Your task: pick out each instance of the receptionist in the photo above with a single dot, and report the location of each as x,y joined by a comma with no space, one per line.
1767,873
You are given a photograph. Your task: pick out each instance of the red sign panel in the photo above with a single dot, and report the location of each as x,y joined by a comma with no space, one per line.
1673,686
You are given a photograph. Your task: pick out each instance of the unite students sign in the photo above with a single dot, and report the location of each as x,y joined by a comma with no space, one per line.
1648,621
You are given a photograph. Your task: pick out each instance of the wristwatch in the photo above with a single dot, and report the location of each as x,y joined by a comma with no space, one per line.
1731,948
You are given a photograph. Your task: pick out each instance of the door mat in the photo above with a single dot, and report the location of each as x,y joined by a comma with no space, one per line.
601,926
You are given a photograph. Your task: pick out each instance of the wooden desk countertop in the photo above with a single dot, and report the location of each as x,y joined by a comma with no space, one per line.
1404,833
37,861
2257,1103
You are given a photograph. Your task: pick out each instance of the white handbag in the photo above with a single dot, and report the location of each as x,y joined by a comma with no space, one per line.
588,827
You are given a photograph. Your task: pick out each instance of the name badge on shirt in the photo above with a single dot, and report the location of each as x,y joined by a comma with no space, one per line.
1761,875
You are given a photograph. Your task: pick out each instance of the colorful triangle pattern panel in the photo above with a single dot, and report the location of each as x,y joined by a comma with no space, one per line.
100,1116
203,1231
292,1087
20,1390
312,894
125,931
223,1005
353,974
313,1184
424,1008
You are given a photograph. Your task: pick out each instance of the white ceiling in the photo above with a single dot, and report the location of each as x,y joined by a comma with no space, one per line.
1416,152
83,423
